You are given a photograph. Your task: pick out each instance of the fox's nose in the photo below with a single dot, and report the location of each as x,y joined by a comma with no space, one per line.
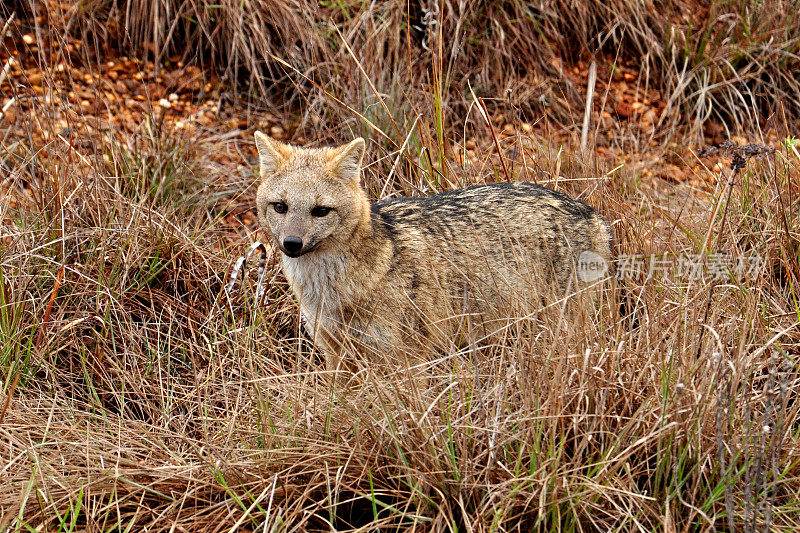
292,244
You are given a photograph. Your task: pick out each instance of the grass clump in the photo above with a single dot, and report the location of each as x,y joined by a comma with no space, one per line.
725,62
136,393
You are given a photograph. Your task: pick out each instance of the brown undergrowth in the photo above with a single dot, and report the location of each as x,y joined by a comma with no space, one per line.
719,65
137,394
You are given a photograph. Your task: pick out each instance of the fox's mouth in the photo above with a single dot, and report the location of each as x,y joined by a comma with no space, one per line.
298,253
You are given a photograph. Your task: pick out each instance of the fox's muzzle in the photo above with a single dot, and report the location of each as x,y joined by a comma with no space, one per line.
292,246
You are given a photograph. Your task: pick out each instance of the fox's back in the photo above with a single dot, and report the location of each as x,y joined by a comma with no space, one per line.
502,236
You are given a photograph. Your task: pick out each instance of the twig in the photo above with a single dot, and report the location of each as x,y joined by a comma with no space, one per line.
6,25
399,156
777,439
4,73
10,393
262,263
46,318
485,114
723,386
740,156
587,115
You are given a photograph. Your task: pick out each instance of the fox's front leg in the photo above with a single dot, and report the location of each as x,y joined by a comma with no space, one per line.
334,348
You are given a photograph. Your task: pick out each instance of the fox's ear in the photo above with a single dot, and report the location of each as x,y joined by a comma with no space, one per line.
271,153
346,160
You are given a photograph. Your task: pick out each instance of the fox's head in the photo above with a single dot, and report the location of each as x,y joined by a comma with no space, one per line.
309,198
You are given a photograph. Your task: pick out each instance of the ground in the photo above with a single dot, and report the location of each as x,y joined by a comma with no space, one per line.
137,393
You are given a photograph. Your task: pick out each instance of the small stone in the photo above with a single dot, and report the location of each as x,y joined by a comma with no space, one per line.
624,109
28,38
173,97
527,128
164,103
713,128
509,129
649,117
276,131
10,115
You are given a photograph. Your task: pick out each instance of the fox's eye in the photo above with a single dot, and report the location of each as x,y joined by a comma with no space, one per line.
280,207
320,211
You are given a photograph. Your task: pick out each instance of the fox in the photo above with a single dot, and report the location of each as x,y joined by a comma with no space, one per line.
405,275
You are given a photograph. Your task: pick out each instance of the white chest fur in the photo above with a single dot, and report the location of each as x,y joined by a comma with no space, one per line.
318,281
325,287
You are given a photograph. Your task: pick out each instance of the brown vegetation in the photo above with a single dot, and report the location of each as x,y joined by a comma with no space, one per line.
137,393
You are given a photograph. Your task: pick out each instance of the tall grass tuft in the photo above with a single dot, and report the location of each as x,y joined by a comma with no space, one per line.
135,393
730,62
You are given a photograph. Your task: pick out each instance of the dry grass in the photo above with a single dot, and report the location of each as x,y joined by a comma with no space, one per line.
136,394
730,62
